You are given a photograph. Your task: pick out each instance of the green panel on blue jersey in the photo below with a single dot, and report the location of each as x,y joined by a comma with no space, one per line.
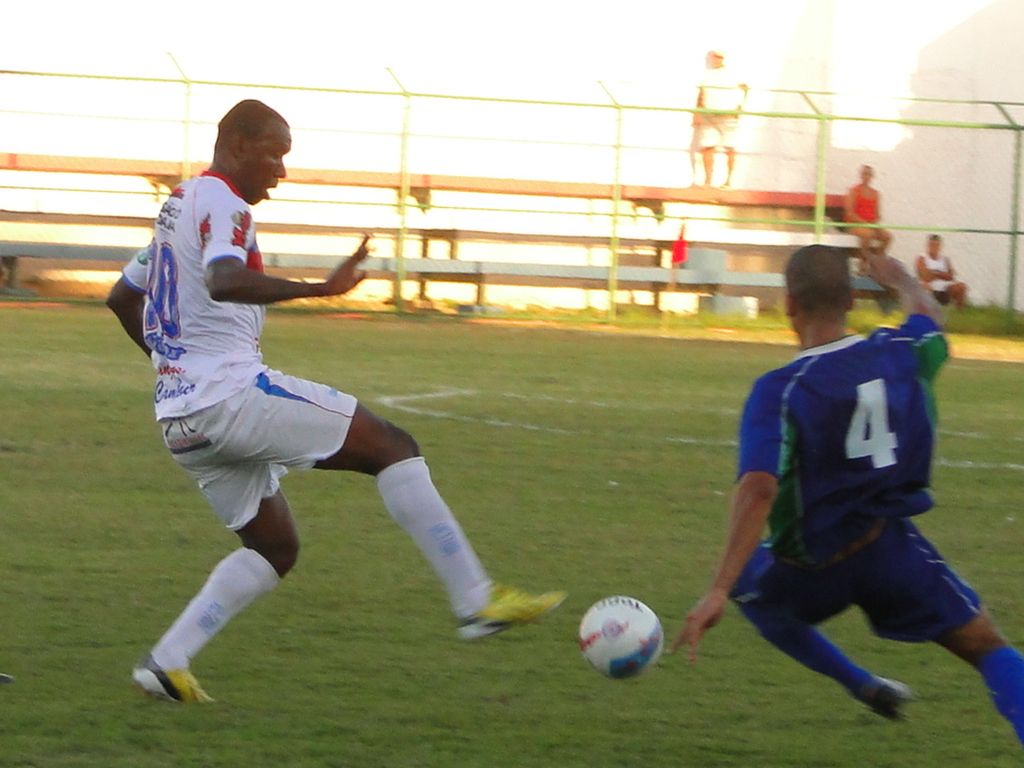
931,352
784,520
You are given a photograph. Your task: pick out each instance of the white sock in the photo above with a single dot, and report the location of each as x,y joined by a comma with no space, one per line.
235,582
414,503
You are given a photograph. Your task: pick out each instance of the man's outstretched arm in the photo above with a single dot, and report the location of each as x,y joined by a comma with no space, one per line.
751,505
228,280
890,273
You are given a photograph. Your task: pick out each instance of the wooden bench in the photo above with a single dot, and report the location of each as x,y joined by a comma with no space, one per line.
706,273
633,252
643,263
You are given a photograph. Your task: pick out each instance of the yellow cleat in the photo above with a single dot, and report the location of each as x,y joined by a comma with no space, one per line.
169,684
508,608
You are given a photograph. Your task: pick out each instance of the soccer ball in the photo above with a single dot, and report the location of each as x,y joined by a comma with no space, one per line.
620,636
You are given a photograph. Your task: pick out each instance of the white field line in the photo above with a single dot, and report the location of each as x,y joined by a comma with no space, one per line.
719,409
404,403
685,440
968,464
401,403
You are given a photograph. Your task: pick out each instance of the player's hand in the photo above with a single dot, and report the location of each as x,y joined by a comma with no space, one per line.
885,270
705,614
348,275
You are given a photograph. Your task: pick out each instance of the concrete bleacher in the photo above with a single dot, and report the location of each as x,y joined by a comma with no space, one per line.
726,257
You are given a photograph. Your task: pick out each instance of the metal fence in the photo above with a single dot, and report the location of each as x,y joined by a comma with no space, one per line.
955,165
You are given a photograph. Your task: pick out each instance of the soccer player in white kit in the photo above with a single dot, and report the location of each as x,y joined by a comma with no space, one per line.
194,303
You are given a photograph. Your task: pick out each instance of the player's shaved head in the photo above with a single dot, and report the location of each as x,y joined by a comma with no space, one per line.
252,140
818,281
248,119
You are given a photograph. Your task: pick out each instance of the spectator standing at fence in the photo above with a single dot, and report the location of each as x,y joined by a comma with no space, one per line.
835,459
719,90
863,205
194,303
935,270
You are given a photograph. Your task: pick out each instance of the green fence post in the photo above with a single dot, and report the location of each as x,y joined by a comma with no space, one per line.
824,126
613,263
403,197
1011,279
186,161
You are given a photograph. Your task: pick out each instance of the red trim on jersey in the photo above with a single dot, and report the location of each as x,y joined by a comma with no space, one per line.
254,259
225,179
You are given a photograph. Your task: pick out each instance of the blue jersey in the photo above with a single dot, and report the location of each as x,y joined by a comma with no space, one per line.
847,428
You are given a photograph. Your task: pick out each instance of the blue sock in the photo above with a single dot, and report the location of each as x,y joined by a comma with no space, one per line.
1003,670
807,645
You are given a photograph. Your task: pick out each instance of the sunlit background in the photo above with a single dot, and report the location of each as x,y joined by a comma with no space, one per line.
882,60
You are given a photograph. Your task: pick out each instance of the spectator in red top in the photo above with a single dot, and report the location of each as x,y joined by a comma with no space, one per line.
864,206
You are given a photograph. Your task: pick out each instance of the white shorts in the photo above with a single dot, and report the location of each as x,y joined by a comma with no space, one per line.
238,449
717,131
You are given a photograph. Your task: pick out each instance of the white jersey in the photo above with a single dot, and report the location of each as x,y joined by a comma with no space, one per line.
203,350
939,264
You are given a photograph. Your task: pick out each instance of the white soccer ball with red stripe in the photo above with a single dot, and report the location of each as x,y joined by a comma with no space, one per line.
620,636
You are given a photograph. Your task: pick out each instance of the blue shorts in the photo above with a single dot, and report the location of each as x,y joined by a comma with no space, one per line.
900,581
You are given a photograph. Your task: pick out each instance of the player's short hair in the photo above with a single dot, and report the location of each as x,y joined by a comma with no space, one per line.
936,238
818,279
247,118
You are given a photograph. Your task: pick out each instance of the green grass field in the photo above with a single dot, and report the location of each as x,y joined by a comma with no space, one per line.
598,463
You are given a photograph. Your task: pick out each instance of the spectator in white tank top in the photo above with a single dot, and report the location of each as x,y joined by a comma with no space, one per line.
935,270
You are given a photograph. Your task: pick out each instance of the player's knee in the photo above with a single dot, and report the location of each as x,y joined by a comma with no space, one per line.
286,556
975,640
391,445
282,553
401,445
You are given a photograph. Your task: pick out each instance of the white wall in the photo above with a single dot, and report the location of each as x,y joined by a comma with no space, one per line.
870,49
876,53
954,178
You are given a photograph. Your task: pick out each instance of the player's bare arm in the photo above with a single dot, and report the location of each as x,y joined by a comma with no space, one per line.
890,273
230,280
751,504
127,303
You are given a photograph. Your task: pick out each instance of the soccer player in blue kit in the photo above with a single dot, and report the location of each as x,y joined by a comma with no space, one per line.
835,457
